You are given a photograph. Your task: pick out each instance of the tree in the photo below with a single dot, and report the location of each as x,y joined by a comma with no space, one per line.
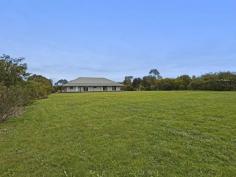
183,81
17,87
128,83
167,84
156,73
58,85
149,83
136,84
61,82
128,79
12,70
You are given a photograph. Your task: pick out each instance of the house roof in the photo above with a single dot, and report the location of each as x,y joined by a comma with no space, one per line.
92,81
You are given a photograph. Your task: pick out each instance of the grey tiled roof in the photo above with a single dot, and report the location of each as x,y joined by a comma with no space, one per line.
92,81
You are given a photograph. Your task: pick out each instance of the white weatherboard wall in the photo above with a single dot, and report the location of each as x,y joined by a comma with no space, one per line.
95,89
117,88
70,89
90,89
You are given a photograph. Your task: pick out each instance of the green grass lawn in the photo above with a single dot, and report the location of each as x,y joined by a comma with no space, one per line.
180,134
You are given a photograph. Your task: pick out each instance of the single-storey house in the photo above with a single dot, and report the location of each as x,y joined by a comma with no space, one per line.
91,84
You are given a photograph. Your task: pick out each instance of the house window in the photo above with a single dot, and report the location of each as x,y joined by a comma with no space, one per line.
114,88
104,88
94,87
71,87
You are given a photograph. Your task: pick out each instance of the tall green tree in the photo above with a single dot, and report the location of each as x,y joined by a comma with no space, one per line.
128,83
12,70
137,83
61,82
58,86
149,83
155,73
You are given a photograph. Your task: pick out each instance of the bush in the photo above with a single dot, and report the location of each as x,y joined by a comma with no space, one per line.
44,85
217,85
36,90
167,84
12,100
18,88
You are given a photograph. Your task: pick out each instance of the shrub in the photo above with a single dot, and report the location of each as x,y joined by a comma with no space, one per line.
12,100
36,90
18,88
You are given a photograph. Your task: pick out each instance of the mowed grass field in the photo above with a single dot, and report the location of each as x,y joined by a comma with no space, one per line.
125,134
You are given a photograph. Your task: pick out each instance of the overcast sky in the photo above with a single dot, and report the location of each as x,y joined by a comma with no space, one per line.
114,38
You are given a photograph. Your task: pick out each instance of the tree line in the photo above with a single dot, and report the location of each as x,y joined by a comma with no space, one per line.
19,88
219,81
